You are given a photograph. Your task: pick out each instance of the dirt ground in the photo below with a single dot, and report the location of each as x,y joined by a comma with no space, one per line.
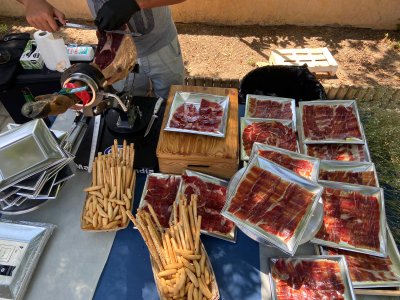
365,57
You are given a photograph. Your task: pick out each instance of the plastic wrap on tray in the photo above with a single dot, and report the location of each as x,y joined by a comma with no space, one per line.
198,114
212,198
362,173
367,271
160,190
354,219
22,244
312,227
334,121
301,164
303,277
340,152
282,222
268,107
278,133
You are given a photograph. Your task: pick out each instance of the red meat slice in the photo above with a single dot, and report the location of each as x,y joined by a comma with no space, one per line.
341,152
367,268
207,118
210,116
270,109
301,279
302,167
362,178
161,194
350,217
115,55
275,205
322,122
269,133
211,200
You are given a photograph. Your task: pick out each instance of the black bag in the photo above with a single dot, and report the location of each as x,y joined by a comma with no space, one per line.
11,48
295,82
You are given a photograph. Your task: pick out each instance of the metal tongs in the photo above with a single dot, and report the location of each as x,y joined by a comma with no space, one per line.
88,27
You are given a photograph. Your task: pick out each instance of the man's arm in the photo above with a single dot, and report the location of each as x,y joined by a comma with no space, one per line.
40,14
156,3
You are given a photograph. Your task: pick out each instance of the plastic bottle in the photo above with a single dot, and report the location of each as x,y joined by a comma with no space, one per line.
80,53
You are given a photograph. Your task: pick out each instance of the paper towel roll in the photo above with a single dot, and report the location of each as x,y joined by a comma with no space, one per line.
53,51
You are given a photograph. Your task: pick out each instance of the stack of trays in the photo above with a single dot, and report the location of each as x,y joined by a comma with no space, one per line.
33,167
270,121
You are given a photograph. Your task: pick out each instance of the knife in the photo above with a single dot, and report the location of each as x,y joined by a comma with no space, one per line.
87,27
154,116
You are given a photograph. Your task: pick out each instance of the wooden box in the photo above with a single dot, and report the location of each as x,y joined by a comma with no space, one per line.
212,155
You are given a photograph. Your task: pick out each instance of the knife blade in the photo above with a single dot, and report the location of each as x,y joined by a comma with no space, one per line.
87,27
154,116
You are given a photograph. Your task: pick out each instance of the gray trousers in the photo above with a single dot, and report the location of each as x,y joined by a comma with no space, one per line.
162,68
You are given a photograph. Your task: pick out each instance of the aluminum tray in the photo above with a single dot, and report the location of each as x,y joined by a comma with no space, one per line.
64,174
32,183
44,193
394,256
22,245
8,192
304,150
143,202
291,246
195,98
275,99
348,287
312,228
27,150
59,134
346,103
22,206
314,161
244,122
333,165
231,236
365,190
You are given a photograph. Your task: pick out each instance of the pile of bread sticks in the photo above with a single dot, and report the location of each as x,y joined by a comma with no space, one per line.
110,195
182,268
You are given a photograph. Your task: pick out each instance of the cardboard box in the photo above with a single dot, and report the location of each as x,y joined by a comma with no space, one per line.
31,58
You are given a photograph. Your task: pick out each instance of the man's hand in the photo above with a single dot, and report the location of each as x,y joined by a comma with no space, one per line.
41,15
115,13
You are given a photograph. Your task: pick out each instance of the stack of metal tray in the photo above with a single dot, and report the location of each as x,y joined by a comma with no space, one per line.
33,167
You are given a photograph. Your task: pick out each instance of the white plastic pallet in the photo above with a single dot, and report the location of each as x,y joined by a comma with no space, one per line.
317,59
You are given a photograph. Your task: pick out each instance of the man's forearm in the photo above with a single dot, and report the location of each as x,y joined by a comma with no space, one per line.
156,3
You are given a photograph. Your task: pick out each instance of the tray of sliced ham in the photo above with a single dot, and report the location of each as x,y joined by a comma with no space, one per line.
278,133
211,193
310,277
367,271
160,192
301,164
273,202
354,219
198,114
312,227
270,107
340,152
362,173
335,121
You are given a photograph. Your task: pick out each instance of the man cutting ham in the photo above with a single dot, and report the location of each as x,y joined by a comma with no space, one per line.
158,50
